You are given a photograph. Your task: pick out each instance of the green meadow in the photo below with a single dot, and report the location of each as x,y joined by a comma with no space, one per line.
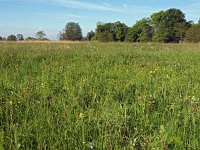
99,96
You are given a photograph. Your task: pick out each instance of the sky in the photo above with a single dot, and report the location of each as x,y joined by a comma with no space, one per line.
29,16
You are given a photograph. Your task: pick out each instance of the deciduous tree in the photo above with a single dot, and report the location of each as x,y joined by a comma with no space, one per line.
105,32
108,32
72,32
120,31
20,37
142,31
169,25
40,35
90,35
12,38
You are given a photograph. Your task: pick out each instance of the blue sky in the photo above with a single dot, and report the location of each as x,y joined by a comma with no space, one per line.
29,16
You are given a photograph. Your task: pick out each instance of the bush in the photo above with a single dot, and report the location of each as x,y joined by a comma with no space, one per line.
105,37
193,34
12,38
90,35
30,39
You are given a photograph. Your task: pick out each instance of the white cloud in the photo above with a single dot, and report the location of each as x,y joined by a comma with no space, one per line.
94,6
124,8
83,5
70,16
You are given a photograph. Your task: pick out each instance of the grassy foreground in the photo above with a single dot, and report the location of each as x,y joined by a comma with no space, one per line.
99,96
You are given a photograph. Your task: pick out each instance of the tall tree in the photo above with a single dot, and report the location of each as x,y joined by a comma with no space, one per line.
72,32
157,18
40,35
20,37
169,25
1,38
120,31
140,32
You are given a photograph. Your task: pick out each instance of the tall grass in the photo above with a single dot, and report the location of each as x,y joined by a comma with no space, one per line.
99,96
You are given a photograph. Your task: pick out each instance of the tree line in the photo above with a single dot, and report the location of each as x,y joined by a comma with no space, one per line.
169,26
40,35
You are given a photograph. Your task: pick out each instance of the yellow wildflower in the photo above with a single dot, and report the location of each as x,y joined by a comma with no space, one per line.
10,102
81,115
162,129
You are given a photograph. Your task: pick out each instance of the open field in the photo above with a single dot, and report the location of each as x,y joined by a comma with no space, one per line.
39,42
80,96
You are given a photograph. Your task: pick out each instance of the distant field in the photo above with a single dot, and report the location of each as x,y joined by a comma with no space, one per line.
37,41
80,96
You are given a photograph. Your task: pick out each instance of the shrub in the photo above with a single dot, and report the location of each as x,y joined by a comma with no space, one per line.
12,38
105,37
193,34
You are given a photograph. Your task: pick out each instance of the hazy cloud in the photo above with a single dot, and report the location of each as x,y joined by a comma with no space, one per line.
70,16
83,5
124,8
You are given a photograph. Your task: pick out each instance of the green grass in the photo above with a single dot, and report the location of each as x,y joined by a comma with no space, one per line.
99,96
